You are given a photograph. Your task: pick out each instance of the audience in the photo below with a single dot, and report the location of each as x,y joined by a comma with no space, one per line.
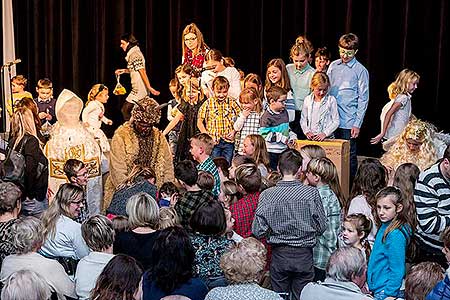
28,238
421,279
36,287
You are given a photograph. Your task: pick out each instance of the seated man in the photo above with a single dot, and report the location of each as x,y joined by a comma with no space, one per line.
346,275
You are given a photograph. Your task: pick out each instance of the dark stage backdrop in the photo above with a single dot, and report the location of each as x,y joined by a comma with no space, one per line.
76,43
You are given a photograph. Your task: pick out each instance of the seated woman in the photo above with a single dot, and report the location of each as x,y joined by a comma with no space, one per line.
63,239
141,179
243,266
170,272
37,288
419,143
28,239
143,219
10,196
208,224
119,280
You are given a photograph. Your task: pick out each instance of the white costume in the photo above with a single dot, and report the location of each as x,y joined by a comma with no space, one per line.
93,115
70,139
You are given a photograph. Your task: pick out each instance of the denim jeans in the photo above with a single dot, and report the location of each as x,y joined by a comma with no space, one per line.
345,134
381,295
223,149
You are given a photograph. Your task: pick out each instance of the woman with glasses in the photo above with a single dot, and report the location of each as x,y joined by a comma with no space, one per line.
194,47
63,239
140,84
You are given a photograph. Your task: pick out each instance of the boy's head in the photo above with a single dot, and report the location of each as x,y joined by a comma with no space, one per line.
168,189
220,87
290,162
18,82
277,98
421,279
76,172
98,233
445,237
186,172
201,146
44,89
248,177
205,180
322,59
348,46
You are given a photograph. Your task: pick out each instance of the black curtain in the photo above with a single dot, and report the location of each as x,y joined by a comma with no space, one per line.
76,43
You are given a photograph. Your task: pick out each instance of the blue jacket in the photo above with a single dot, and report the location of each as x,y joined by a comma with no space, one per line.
441,291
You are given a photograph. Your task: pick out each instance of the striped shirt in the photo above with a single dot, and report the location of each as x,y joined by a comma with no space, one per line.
290,214
432,199
274,128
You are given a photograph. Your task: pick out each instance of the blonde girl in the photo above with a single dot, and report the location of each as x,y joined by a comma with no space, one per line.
217,66
322,173
405,178
229,193
396,114
355,230
386,267
301,39
254,80
319,116
168,217
300,74
94,114
248,120
276,75
255,147
193,47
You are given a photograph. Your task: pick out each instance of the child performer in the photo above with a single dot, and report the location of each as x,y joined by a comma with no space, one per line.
172,110
45,101
319,116
18,83
322,59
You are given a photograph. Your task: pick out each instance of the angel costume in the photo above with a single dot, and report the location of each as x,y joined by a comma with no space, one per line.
138,142
70,139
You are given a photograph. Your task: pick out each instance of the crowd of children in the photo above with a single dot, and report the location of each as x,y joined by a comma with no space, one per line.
236,176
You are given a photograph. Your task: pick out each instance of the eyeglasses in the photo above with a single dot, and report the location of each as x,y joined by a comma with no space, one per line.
190,39
100,89
348,53
77,203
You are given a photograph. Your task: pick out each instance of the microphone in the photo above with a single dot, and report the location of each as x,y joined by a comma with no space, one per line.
207,68
14,62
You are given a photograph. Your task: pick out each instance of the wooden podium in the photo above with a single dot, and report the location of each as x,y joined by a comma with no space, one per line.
338,151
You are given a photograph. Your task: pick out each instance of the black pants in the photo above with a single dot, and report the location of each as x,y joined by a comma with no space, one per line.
291,269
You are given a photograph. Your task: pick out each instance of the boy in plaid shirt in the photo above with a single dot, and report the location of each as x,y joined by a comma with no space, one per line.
219,114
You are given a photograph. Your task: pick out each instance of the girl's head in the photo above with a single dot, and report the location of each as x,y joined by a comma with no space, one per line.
309,152
22,122
389,204
249,99
128,41
183,73
253,80
323,171
255,147
138,174
237,161
18,83
322,59
192,39
406,82
369,179
229,193
168,217
301,39
98,92
355,229
300,55
214,60
192,93
320,83
175,88
230,220
119,279
277,74
405,178
209,218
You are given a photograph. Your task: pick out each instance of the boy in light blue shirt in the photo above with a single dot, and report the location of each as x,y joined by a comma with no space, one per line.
350,86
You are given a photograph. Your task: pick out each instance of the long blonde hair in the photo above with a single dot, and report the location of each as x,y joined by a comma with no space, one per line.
95,90
22,122
67,193
400,85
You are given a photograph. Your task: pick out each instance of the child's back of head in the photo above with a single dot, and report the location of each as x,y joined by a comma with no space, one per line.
186,172
120,224
168,217
205,180
230,193
248,177
290,162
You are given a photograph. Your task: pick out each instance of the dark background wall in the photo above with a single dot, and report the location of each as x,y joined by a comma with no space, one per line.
76,43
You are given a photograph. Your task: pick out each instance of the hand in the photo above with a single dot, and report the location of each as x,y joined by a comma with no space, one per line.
246,112
320,137
377,139
49,117
174,199
109,122
42,115
291,143
153,91
354,132
309,135
119,71
230,135
49,193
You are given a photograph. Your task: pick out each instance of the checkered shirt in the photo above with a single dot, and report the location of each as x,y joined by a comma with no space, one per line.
243,212
290,214
219,117
189,202
246,125
84,212
327,242
209,166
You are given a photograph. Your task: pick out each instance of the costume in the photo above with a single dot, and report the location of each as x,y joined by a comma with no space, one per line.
318,117
432,147
135,62
70,139
130,147
93,116
399,120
